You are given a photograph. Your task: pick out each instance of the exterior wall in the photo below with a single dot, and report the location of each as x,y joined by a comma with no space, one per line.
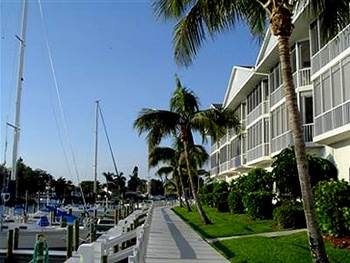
322,80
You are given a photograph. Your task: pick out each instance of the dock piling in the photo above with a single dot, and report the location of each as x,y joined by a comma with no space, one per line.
76,235
69,241
9,254
15,238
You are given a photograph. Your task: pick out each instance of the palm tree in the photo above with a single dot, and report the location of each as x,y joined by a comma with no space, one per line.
116,183
183,118
197,19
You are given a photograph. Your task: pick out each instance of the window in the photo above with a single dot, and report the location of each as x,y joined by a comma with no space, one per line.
304,55
315,43
306,107
336,86
318,97
326,92
293,60
346,79
266,131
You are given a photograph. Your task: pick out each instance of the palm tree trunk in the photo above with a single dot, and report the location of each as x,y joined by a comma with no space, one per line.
178,190
317,248
189,209
201,212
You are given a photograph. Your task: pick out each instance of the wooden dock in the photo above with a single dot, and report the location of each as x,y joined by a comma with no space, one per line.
172,240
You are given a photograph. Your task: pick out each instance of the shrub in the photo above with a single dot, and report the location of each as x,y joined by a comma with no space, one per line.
289,214
235,202
220,196
258,204
285,173
206,194
332,202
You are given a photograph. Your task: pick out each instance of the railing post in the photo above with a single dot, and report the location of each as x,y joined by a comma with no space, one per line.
9,254
76,235
15,238
69,241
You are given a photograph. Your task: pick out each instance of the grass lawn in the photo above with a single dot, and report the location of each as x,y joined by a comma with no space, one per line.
287,249
224,224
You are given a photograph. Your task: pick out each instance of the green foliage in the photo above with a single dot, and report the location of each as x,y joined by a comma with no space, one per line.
289,214
258,204
206,194
220,196
332,201
235,196
256,188
285,173
157,187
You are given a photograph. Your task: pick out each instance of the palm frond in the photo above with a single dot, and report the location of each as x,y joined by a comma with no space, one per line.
170,9
165,170
158,123
199,155
183,101
160,154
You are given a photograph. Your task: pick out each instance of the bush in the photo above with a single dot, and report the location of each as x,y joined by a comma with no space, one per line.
285,173
235,196
258,204
290,214
206,194
220,196
332,202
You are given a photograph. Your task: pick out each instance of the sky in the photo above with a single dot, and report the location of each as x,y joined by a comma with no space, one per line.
115,51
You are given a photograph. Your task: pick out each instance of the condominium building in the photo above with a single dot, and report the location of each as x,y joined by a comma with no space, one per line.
321,73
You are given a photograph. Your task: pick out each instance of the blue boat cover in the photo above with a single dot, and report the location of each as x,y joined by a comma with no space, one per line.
43,221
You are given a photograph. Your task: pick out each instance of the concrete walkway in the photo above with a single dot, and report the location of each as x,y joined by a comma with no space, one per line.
172,240
266,234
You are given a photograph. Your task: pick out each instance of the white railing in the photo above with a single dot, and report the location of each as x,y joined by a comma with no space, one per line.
304,77
281,141
259,110
236,161
223,139
113,245
286,139
333,118
258,152
332,49
276,95
214,170
224,167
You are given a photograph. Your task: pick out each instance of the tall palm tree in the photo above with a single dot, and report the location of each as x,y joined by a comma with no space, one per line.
198,19
183,118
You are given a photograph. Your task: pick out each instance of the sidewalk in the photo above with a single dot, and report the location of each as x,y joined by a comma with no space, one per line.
172,240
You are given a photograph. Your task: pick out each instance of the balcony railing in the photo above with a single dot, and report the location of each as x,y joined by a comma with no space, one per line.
333,118
236,162
276,95
332,49
224,167
214,170
258,152
285,139
261,109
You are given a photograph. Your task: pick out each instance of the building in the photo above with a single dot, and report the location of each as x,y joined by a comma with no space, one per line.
321,72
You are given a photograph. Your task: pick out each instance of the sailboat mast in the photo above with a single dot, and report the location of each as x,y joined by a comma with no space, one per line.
21,39
96,148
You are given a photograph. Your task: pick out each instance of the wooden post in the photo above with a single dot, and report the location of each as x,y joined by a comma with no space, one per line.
69,241
104,259
115,217
15,238
76,235
9,254
92,231
41,248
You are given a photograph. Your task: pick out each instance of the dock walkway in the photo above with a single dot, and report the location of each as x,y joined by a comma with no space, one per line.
172,240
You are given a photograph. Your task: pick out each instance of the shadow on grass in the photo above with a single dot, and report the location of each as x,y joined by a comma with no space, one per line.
194,226
229,254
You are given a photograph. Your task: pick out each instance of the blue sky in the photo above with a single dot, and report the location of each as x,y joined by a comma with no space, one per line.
114,51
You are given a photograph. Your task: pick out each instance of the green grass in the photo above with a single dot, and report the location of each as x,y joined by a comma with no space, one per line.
224,224
286,249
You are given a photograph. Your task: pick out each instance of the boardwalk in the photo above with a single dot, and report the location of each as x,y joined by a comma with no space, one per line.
172,240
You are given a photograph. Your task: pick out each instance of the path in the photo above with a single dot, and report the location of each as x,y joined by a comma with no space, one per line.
172,240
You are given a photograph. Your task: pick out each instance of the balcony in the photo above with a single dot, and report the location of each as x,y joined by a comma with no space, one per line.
302,77
224,166
333,118
261,109
257,152
286,139
214,171
331,50
276,95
